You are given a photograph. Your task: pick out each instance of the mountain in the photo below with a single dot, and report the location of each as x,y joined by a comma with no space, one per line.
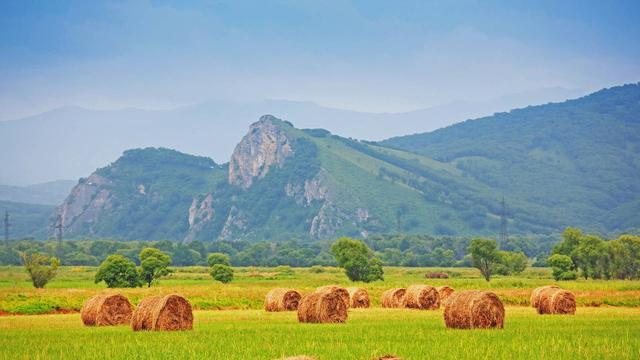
49,193
27,220
70,142
579,160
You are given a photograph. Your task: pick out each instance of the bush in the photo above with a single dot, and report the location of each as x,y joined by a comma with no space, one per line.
36,266
218,258
222,273
118,271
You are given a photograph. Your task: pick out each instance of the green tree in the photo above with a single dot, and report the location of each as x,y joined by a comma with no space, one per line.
41,268
153,264
484,256
511,263
218,258
587,254
117,271
562,267
222,273
357,260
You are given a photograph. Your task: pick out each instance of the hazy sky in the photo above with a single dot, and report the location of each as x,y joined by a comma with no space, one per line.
362,55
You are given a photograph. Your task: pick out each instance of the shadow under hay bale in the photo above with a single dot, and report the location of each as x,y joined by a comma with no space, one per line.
163,313
323,307
359,297
282,300
106,310
444,292
474,310
423,297
393,298
554,300
535,294
344,293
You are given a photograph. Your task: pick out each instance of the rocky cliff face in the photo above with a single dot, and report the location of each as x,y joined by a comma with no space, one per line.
84,205
264,146
200,213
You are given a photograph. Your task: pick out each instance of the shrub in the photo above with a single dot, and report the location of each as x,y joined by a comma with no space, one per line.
222,273
36,266
118,271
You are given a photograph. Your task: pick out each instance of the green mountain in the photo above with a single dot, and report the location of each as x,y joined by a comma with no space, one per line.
556,165
571,163
26,220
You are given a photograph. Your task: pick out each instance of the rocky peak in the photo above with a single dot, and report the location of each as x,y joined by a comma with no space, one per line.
266,144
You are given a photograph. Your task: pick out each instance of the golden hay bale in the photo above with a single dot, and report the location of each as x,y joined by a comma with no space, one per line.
344,293
444,292
359,297
474,309
535,294
282,300
554,300
393,298
323,307
389,357
170,312
423,297
105,310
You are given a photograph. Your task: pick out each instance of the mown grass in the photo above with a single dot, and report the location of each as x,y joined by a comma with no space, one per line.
74,285
593,333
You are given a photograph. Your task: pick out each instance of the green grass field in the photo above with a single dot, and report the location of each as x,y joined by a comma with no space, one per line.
606,326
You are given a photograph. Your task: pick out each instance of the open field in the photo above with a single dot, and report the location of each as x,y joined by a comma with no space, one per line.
594,333
73,285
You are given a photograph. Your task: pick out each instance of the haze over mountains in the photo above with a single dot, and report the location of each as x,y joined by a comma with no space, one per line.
70,142
574,163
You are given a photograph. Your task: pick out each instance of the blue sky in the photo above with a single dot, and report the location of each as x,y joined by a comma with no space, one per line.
362,55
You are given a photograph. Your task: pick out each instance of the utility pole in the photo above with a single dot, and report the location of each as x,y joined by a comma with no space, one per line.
504,234
59,228
7,226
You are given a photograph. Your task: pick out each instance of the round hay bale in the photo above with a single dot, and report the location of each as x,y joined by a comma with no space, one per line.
106,310
393,298
344,293
535,294
359,297
554,300
444,292
282,300
423,297
474,309
323,307
159,313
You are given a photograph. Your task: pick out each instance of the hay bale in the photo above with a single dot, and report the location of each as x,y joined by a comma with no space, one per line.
435,275
535,294
393,298
359,297
344,293
554,300
389,357
423,297
158,313
106,310
282,300
323,307
444,292
474,309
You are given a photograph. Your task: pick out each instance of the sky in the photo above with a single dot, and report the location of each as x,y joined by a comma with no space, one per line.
375,56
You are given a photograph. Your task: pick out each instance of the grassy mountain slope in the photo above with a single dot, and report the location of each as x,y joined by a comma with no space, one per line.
571,163
27,220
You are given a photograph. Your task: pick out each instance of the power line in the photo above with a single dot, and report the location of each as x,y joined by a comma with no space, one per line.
59,228
7,226
504,234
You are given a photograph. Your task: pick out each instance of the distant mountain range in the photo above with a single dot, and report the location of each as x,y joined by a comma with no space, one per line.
49,193
575,163
69,142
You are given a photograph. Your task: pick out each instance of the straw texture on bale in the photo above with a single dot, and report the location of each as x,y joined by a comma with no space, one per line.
322,307
344,293
474,309
359,297
106,310
282,300
423,297
554,300
159,313
444,292
535,294
393,298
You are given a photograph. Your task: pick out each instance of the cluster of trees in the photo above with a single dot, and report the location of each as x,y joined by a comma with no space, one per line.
117,271
489,259
357,260
590,256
